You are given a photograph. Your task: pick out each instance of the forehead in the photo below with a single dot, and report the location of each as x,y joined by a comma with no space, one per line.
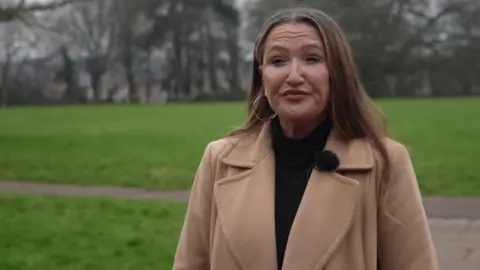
298,32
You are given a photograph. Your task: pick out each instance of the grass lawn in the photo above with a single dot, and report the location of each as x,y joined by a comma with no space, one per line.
160,146
87,233
147,146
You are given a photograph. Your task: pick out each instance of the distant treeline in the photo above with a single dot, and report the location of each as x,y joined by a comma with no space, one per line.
163,50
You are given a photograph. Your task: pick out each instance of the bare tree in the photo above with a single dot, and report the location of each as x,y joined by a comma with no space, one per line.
11,10
19,46
89,30
8,51
131,25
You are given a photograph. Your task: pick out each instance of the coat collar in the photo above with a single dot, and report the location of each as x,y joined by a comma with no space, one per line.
250,149
245,204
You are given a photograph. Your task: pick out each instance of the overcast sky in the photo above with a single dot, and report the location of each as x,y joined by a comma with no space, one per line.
238,2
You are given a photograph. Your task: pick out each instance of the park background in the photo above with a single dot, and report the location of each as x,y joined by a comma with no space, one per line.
122,93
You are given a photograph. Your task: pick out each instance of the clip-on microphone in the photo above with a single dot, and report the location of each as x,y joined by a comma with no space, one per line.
326,161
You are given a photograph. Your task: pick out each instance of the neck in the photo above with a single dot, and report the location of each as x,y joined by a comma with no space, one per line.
295,129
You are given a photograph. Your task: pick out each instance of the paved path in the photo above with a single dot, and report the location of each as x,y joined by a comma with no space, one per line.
82,191
457,242
436,207
455,222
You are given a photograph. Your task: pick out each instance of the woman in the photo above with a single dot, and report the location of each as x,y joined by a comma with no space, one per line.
311,180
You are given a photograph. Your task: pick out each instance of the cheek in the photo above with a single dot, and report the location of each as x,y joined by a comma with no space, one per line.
270,96
320,80
322,76
272,80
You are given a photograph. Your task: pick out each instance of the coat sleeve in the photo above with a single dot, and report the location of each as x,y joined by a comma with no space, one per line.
404,238
193,246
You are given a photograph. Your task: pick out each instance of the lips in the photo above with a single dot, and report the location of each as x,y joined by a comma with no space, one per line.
294,95
294,92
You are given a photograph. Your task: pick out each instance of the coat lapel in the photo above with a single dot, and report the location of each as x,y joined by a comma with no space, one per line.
327,208
245,204
322,220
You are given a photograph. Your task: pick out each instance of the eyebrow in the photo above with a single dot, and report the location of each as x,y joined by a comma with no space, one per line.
275,47
314,45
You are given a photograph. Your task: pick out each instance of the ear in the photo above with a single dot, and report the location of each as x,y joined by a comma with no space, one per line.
260,69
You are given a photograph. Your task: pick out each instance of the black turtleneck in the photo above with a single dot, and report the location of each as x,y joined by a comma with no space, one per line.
293,163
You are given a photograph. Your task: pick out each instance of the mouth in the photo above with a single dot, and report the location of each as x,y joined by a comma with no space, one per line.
294,95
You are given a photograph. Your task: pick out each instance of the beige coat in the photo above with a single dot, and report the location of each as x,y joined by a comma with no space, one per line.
340,224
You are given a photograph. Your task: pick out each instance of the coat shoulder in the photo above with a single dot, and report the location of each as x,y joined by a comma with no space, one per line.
221,147
397,153
396,150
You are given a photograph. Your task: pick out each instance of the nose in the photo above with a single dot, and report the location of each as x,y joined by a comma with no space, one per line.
295,76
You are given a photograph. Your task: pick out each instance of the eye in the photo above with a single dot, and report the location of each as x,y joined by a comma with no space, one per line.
276,61
315,59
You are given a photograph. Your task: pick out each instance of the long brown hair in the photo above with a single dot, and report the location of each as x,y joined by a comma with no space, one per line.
353,113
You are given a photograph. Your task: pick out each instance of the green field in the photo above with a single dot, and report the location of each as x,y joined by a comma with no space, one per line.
52,233
160,146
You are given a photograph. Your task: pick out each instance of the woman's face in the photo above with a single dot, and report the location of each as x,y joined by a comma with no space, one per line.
294,72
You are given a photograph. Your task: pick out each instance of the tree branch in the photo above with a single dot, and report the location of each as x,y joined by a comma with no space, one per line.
21,10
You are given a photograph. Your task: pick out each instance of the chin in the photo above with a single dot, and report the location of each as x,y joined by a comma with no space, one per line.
300,111
296,116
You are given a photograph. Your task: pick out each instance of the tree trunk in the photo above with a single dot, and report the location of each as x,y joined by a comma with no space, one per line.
4,87
199,78
178,53
130,76
212,65
187,82
69,75
149,83
96,82
4,91
234,59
